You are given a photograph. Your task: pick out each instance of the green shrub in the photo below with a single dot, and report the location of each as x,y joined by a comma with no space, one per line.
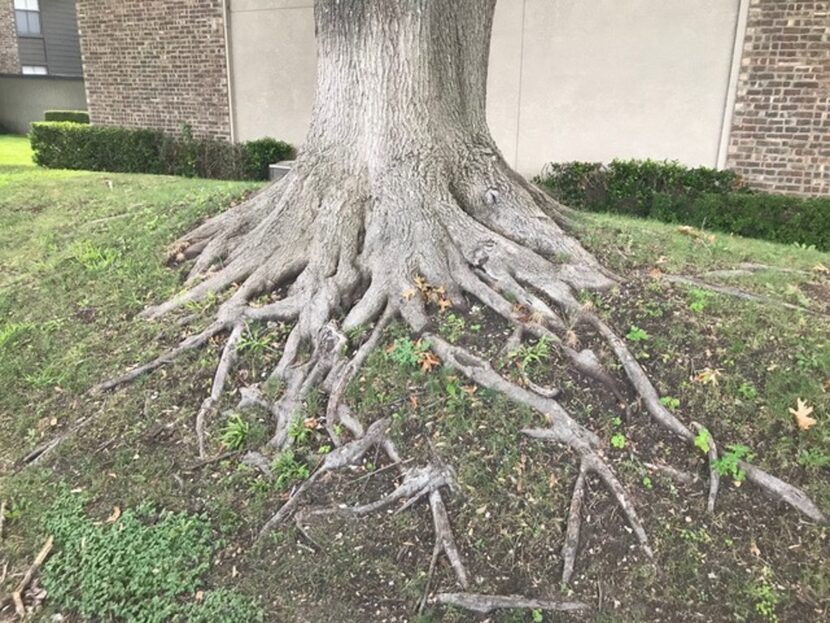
75,116
66,145
261,153
702,197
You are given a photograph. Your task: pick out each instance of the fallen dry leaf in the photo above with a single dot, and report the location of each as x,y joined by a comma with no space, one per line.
802,415
444,304
655,273
116,513
821,268
707,376
429,361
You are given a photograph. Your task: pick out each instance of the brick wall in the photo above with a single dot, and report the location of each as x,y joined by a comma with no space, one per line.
156,64
780,137
8,39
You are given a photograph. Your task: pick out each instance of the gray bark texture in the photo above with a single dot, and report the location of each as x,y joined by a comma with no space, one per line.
399,180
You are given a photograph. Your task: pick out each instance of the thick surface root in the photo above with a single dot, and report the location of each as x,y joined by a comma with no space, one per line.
341,262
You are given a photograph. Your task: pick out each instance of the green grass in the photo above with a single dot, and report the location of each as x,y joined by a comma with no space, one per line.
82,253
15,151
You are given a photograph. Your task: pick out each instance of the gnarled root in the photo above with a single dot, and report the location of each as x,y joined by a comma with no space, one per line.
347,258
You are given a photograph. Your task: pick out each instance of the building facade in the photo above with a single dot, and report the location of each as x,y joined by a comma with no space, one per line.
722,83
40,60
780,137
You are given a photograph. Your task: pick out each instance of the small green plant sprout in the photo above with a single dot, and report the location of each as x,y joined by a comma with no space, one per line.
300,430
452,327
255,340
616,421
766,598
702,440
537,616
405,352
670,402
235,432
697,300
647,482
747,391
636,334
288,470
727,464
533,353
813,458
618,441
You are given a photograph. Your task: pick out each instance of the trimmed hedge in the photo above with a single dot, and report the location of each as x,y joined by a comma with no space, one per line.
76,116
702,197
68,145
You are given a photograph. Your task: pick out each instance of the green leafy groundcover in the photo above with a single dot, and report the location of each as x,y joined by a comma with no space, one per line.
144,567
702,197
69,145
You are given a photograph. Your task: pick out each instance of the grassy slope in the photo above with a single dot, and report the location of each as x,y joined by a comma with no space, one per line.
80,253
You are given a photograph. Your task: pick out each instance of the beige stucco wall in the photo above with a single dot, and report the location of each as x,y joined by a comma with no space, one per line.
24,99
569,79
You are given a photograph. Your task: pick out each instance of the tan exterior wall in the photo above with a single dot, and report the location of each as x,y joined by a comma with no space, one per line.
569,79
24,99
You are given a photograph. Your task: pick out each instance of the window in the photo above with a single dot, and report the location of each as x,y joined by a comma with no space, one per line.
27,16
33,70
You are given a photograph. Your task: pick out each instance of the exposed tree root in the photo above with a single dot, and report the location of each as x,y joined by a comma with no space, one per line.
484,604
738,293
344,263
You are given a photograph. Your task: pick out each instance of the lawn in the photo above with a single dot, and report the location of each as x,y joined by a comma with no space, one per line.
15,151
145,533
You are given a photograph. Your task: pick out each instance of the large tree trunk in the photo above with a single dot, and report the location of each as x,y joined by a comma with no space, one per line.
399,200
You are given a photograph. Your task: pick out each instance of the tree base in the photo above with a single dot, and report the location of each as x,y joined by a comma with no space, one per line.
343,253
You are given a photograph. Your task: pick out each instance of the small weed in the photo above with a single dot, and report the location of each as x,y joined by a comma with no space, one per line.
452,327
533,353
299,433
618,441
813,458
670,402
636,334
647,482
702,440
405,352
355,334
288,470
727,464
235,432
697,300
256,340
765,596
747,391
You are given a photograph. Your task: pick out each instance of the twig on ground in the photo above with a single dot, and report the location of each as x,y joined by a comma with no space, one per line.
17,594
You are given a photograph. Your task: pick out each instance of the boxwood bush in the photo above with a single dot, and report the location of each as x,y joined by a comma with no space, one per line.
702,197
69,145
78,116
